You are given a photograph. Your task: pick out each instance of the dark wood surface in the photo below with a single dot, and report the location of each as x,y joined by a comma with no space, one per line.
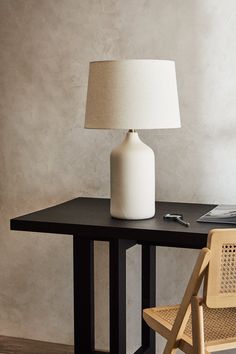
91,216
10,345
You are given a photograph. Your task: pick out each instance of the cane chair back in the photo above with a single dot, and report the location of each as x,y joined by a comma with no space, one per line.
220,280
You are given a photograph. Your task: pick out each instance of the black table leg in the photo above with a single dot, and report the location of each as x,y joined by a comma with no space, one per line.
83,295
148,294
118,295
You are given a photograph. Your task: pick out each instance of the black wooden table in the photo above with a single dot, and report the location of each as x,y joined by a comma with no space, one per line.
88,219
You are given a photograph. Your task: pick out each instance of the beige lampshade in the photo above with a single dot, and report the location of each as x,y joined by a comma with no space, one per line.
132,94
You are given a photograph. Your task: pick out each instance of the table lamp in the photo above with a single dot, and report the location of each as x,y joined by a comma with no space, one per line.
132,94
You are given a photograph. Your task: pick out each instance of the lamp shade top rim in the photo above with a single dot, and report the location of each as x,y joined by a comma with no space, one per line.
129,60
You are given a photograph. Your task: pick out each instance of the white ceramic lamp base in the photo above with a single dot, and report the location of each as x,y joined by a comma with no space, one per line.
132,179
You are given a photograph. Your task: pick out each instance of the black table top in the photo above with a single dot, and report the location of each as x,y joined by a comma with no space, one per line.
90,218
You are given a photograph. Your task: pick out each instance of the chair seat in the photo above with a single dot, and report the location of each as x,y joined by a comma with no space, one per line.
219,326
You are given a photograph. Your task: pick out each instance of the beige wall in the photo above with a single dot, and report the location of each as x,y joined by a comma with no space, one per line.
46,157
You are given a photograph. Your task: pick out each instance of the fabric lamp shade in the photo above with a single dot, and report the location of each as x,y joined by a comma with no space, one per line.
132,94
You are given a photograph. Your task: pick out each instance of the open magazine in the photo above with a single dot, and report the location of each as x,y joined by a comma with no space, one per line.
223,214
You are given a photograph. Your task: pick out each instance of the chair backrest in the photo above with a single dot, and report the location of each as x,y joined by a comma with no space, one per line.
220,280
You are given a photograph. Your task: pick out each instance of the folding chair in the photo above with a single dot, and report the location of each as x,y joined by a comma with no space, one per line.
203,325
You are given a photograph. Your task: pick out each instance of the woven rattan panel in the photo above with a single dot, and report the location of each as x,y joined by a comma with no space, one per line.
228,269
218,323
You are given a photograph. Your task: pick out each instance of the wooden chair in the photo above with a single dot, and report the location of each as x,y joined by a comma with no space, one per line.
203,325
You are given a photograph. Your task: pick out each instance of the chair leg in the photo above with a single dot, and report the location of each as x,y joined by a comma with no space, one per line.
173,351
198,326
170,351
175,336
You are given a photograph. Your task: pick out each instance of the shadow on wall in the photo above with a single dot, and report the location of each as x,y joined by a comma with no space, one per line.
178,161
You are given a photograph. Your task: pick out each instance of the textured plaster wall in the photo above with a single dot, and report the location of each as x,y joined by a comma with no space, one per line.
46,156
